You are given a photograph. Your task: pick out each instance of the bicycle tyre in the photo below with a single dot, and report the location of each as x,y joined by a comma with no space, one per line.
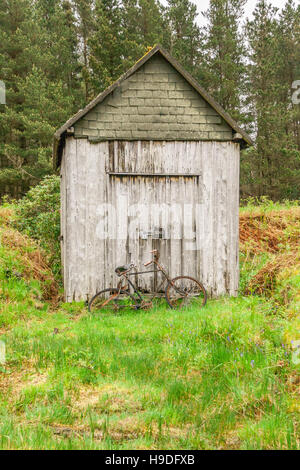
113,291
170,291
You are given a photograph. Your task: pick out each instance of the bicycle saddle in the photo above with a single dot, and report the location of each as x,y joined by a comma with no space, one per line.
122,269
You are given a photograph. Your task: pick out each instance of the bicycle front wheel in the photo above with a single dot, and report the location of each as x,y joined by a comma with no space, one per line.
185,291
111,300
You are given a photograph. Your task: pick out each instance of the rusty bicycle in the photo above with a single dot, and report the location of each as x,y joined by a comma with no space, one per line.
179,292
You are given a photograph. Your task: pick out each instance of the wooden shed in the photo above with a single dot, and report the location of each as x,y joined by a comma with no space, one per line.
152,162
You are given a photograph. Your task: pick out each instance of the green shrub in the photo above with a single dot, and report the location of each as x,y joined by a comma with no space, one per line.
38,215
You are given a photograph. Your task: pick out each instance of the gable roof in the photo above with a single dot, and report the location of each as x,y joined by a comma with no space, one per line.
59,136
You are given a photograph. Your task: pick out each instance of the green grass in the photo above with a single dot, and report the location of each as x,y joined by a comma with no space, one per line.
222,377
265,205
213,379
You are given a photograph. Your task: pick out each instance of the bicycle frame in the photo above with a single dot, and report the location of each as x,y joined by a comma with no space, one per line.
158,269
139,301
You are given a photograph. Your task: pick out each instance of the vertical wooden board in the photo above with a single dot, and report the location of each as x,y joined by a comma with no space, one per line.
109,229
70,147
232,268
144,245
163,206
212,233
93,200
167,224
138,157
199,211
78,202
207,228
90,210
174,152
76,235
83,151
112,259
214,208
217,216
101,243
62,208
230,170
133,200
202,221
181,185
189,247
72,217
116,159
63,218
152,161
175,222
147,157
222,217
122,223
66,223
74,232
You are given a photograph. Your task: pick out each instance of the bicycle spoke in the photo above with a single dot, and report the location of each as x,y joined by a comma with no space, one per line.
111,301
184,291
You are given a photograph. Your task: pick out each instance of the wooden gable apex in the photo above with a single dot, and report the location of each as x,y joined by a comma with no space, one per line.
59,136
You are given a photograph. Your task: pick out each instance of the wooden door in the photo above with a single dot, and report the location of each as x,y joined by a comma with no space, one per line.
157,212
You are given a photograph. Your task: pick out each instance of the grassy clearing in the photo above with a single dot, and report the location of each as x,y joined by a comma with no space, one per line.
224,377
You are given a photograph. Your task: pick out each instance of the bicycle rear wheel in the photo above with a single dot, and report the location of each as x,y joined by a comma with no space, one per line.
185,291
111,300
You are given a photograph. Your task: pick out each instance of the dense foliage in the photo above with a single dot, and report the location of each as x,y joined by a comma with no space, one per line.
38,215
56,55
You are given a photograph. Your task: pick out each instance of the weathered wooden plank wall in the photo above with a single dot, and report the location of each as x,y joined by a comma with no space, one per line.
88,189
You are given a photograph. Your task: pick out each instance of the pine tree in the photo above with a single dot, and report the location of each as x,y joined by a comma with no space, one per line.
106,44
73,71
39,67
262,70
183,35
289,64
58,36
224,54
143,26
14,20
274,160
149,22
84,11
